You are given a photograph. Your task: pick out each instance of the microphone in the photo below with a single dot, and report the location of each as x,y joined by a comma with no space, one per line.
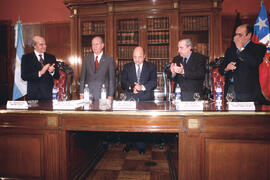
166,66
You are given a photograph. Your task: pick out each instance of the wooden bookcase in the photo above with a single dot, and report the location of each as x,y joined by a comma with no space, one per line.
155,38
156,25
90,29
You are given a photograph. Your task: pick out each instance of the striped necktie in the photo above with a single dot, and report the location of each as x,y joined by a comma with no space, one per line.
138,73
41,60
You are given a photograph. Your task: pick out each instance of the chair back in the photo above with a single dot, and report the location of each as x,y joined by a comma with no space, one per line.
64,83
217,78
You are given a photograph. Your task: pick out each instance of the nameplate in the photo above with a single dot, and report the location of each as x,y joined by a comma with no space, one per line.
245,106
67,105
124,105
17,105
189,105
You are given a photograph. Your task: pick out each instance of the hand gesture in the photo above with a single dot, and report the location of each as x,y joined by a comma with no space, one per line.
137,88
231,66
51,68
179,69
44,69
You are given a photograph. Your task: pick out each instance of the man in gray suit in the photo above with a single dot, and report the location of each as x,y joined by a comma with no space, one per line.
98,69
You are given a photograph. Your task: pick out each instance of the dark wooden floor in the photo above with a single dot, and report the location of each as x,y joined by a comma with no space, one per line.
118,165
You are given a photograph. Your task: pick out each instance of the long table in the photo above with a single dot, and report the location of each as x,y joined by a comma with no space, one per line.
42,143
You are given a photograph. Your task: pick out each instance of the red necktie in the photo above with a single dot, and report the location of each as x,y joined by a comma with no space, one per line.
96,64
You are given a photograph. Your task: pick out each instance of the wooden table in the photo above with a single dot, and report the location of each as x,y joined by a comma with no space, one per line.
42,143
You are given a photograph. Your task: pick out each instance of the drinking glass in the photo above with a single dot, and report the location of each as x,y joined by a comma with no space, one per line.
91,98
229,97
122,96
196,96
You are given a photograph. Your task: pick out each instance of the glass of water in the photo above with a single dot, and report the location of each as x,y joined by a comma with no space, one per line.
229,97
196,96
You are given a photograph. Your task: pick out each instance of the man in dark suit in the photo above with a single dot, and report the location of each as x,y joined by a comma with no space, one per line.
98,69
38,69
188,70
242,62
139,79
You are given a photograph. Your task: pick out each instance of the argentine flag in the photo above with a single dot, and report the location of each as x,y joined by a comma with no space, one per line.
20,86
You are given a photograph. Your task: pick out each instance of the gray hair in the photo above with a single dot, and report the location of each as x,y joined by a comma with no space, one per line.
188,42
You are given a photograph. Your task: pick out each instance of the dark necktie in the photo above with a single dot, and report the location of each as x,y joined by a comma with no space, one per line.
184,62
96,64
41,60
138,73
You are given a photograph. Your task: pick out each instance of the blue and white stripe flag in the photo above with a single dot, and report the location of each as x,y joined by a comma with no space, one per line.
20,86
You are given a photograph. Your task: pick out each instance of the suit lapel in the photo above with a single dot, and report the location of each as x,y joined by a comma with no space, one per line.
101,63
92,62
133,72
190,59
36,61
144,67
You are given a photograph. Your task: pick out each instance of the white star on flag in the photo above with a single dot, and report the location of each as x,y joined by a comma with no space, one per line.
261,23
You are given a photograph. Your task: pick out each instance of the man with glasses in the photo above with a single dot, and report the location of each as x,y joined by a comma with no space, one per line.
241,63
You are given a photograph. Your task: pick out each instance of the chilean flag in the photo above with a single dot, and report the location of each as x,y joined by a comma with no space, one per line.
262,35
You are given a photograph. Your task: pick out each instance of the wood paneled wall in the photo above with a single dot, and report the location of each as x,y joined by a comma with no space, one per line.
57,36
228,23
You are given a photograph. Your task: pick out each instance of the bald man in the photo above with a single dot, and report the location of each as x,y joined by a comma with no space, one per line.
139,78
38,69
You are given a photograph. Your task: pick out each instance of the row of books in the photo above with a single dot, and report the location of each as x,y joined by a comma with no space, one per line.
125,52
158,23
195,23
201,48
122,62
158,51
158,36
160,63
127,38
87,51
128,25
90,28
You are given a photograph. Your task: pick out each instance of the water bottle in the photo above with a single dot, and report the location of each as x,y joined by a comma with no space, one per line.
218,97
55,93
103,92
177,93
86,93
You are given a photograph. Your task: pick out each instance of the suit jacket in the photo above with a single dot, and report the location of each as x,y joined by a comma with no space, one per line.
38,88
246,75
148,78
105,75
192,80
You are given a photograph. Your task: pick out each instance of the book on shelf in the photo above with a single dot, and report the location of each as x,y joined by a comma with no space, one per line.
159,63
125,52
158,37
127,37
91,28
128,25
201,48
195,23
158,23
158,51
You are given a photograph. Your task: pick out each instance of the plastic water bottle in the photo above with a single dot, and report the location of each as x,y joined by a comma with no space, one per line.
103,92
218,97
86,93
177,93
55,93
